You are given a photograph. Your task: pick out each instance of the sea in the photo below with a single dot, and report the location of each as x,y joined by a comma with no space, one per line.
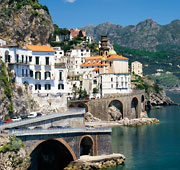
151,147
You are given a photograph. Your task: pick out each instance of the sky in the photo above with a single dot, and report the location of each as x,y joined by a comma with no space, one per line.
80,13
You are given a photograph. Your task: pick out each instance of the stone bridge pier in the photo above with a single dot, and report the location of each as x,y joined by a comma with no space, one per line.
130,105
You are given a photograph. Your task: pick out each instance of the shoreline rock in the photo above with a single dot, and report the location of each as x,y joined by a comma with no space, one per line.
96,162
124,122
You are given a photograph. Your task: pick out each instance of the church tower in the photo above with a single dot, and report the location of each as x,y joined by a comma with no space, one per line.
104,49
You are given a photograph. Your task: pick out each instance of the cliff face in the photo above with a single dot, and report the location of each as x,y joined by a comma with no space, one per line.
14,100
13,155
25,22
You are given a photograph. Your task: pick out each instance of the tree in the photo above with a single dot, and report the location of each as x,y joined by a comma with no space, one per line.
95,90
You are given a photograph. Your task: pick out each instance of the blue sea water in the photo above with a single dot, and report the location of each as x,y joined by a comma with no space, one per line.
151,147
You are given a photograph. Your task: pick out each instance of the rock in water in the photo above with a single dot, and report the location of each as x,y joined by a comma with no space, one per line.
114,113
25,22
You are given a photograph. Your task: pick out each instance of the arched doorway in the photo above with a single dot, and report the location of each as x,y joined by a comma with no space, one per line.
86,146
142,103
118,104
134,107
51,155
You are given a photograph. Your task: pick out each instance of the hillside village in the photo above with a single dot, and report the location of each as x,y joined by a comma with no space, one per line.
75,72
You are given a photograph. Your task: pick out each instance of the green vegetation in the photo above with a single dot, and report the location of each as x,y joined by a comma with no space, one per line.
154,61
145,83
95,90
14,145
67,45
34,3
167,80
82,93
6,85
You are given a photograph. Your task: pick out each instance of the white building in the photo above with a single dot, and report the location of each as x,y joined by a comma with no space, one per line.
2,42
75,58
108,73
36,66
136,68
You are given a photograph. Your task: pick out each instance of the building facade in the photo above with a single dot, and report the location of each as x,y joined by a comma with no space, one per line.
35,65
136,68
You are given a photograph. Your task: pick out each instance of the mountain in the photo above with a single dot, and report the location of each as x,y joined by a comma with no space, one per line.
25,21
147,35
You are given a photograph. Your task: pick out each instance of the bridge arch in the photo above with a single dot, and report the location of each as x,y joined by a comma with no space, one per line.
51,154
79,105
118,104
86,145
83,105
134,107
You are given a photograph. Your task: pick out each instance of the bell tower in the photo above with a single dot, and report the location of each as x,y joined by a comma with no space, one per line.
104,49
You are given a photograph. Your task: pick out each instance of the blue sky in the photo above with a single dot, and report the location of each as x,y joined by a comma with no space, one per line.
79,13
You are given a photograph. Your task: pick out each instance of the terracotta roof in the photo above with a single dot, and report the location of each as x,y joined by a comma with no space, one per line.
93,64
96,69
95,58
117,57
40,48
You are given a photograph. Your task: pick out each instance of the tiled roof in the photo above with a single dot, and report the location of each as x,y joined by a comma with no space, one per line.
93,64
40,48
94,58
117,57
96,69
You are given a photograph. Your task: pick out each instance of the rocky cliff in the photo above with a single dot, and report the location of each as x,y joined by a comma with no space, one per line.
13,155
14,100
146,35
25,22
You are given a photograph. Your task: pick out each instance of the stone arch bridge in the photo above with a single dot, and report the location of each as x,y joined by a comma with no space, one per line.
56,148
131,104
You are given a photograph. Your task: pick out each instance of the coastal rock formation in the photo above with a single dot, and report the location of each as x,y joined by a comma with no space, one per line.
157,99
114,113
90,118
25,22
138,122
13,155
96,162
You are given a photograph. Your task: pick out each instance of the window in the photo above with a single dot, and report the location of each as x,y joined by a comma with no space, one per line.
26,73
37,60
26,59
47,61
110,64
37,86
111,79
38,75
47,74
60,52
111,85
17,58
95,81
60,75
47,87
61,86
22,72
31,73
30,58
22,59
81,54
